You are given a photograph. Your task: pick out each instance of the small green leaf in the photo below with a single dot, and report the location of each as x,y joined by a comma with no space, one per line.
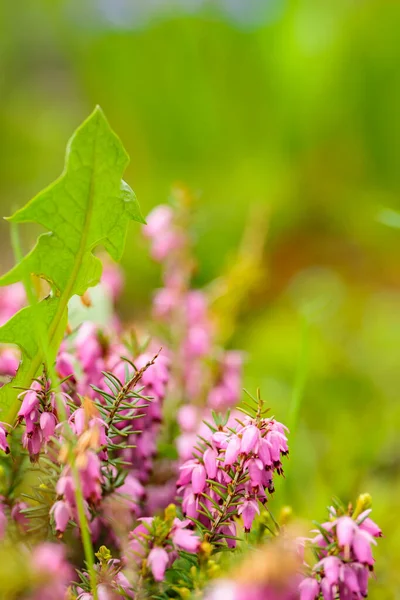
89,205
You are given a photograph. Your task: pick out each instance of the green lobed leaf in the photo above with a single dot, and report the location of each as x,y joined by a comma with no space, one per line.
87,206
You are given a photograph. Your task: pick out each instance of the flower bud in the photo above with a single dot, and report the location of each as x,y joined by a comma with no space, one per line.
158,561
364,502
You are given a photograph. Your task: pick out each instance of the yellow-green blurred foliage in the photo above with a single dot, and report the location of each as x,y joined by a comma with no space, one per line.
289,106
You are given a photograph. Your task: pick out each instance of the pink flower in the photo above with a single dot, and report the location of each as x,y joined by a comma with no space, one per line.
220,439
3,440
47,424
87,345
217,398
231,531
185,539
185,444
198,341
165,301
247,479
104,592
188,418
210,462
250,439
78,421
138,537
226,392
345,570
345,529
159,221
362,573
309,589
64,365
19,516
31,400
349,578
112,279
232,451
132,490
331,565
34,443
61,515
368,525
12,299
255,468
362,547
160,229
65,487
190,505
264,453
274,440
49,557
248,510
50,567
91,477
186,472
158,561
122,581
9,361
165,244
326,589
196,307
198,479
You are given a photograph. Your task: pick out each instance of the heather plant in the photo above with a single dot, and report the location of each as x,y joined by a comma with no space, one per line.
343,548
128,470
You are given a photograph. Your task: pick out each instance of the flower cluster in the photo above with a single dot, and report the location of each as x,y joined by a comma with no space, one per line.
88,464
39,414
343,546
104,428
165,234
205,377
184,310
143,442
112,582
116,430
155,542
233,474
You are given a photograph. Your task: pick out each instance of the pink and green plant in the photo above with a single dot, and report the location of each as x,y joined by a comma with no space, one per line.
126,469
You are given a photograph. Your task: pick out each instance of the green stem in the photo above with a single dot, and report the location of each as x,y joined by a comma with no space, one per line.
124,391
85,532
228,500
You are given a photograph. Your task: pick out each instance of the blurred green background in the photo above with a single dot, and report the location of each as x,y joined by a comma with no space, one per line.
291,106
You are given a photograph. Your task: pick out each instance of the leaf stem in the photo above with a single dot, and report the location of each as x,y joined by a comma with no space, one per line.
228,500
85,532
127,387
